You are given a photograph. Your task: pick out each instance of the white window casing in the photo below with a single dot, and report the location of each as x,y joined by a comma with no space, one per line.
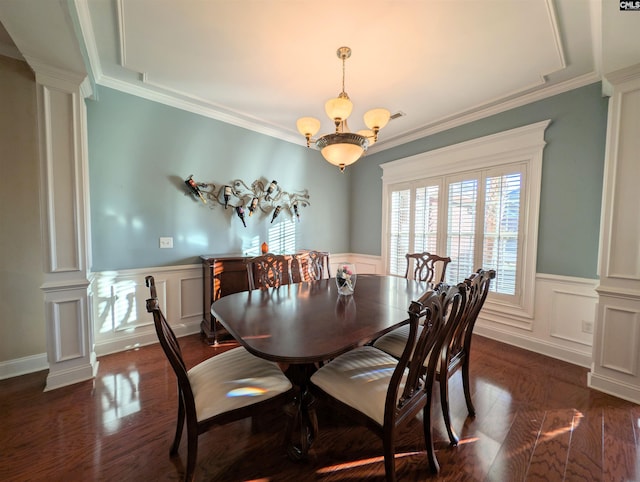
517,154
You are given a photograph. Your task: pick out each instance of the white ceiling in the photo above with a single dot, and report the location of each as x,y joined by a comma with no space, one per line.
262,64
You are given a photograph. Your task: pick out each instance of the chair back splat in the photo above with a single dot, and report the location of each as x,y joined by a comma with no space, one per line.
203,390
424,267
317,265
269,271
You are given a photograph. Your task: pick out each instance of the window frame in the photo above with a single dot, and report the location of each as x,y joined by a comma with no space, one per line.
522,145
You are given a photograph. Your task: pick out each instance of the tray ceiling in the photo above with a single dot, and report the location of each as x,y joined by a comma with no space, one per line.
261,65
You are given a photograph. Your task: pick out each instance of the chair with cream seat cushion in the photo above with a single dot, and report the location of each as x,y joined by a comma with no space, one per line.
224,388
457,347
384,393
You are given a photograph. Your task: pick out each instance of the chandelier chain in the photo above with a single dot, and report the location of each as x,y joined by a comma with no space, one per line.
343,72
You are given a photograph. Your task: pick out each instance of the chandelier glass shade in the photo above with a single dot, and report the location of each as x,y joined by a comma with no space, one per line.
342,148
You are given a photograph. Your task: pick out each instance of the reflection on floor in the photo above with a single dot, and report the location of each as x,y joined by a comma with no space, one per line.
536,420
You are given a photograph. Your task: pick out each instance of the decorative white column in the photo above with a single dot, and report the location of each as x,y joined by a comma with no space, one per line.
616,344
64,184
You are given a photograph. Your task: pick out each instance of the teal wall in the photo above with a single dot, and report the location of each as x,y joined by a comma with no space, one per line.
141,151
572,173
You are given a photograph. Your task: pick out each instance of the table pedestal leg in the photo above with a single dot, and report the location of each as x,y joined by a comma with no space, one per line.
302,427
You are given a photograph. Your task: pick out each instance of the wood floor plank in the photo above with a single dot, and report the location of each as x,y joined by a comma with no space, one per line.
586,450
635,419
512,461
119,427
549,458
620,458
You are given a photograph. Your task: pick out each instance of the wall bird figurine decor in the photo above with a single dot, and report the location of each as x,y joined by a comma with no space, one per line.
261,196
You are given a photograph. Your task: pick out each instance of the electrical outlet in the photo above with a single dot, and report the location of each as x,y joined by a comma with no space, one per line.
166,242
587,326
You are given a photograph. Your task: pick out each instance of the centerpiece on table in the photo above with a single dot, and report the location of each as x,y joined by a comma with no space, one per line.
346,278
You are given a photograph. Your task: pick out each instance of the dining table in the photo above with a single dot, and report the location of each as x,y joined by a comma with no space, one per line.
303,325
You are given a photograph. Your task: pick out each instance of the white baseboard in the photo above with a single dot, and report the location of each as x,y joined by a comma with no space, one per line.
536,345
24,365
63,378
614,387
138,339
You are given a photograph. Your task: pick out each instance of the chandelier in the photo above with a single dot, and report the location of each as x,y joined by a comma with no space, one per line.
343,147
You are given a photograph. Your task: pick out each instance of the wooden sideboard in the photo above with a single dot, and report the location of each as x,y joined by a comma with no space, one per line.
225,274
222,275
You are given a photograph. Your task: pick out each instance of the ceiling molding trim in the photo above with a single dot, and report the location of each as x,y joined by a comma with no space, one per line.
553,18
87,88
623,75
44,70
121,35
194,107
595,10
11,51
88,38
467,117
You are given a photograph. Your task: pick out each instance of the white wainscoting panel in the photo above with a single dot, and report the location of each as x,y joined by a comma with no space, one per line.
565,308
191,297
565,311
365,264
572,316
120,316
68,329
620,340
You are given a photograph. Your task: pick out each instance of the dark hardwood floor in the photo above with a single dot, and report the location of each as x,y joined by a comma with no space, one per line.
536,420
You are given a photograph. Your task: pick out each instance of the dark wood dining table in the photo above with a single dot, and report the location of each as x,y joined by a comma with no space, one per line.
305,324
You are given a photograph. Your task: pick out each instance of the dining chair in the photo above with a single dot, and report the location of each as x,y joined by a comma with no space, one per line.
226,387
385,393
424,266
317,266
309,266
269,271
456,348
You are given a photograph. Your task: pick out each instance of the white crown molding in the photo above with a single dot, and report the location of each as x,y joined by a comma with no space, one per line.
11,51
163,95
470,116
50,75
624,75
553,20
195,107
88,36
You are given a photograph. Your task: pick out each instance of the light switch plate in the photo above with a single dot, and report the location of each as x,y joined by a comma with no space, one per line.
166,242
